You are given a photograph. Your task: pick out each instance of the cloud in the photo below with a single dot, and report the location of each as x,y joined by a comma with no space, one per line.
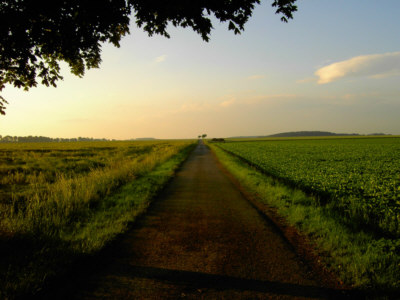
372,66
160,58
192,107
306,80
255,77
269,97
217,105
228,102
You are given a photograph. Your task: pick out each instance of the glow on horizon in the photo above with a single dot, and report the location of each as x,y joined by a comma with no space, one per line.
312,74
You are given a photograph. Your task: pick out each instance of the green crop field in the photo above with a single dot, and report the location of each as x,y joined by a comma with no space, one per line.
59,201
360,176
342,193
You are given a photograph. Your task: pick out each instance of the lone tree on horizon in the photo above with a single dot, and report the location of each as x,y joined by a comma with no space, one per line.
35,36
204,136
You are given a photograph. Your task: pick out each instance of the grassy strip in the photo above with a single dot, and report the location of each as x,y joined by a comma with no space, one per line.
359,258
32,256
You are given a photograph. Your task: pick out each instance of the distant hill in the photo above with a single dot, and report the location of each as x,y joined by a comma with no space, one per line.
310,133
306,134
300,134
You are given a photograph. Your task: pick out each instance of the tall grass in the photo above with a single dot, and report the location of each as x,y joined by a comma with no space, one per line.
48,223
50,207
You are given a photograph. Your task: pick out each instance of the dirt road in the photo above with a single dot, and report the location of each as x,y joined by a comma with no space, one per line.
202,240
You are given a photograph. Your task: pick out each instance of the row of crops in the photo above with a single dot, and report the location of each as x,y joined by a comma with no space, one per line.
360,176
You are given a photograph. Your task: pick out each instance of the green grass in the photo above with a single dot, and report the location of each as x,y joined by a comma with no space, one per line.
360,258
49,224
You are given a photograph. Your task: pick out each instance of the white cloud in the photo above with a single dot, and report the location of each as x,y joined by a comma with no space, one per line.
372,66
160,58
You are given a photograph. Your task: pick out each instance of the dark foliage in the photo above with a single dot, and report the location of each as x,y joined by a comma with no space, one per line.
36,35
220,140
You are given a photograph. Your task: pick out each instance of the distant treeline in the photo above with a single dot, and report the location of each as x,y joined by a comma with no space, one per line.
43,139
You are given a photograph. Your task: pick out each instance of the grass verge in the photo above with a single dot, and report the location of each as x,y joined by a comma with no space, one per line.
29,258
359,258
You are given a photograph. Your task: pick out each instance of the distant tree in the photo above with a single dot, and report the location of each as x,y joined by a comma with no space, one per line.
204,136
36,35
218,140
7,139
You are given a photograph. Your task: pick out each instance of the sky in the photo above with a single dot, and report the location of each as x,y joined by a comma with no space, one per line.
334,67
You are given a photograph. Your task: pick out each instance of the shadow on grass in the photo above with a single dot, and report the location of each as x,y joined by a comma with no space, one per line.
28,260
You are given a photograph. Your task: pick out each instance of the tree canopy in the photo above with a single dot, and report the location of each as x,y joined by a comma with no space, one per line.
36,35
